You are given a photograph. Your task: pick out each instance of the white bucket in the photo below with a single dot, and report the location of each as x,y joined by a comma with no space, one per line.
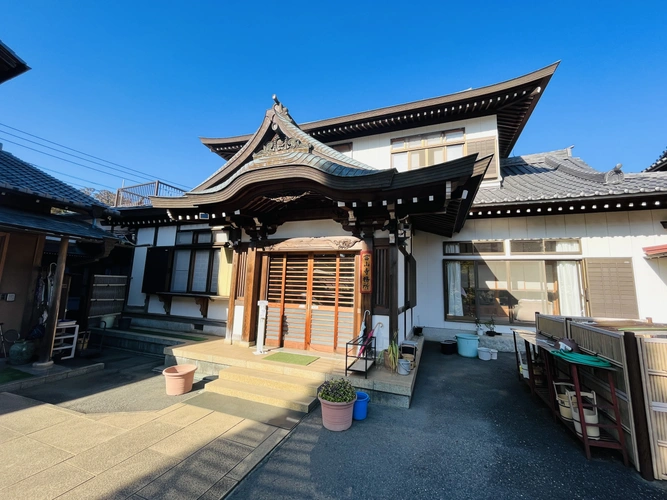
494,353
564,406
590,414
484,353
524,370
403,367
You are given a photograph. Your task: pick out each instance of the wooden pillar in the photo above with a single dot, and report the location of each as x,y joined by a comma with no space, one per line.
393,293
251,295
52,321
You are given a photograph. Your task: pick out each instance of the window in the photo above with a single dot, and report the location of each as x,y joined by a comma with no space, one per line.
408,153
568,246
345,148
193,265
512,290
473,247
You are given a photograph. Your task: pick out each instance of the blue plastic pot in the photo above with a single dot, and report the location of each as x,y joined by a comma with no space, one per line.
361,406
467,345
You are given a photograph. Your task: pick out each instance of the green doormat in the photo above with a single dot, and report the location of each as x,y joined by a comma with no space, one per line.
294,359
9,374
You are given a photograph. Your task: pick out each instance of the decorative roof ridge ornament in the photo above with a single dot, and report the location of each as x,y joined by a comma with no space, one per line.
615,175
279,146
279,108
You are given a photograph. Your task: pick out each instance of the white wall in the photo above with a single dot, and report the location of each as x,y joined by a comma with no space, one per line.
376,150
614,234
135,298
166,236
309,229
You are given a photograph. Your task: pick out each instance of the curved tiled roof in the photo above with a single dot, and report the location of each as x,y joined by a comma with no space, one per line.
557,175
659,164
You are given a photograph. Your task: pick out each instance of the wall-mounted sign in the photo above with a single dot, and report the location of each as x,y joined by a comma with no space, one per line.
366,271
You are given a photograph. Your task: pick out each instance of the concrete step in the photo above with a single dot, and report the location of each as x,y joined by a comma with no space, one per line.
288,383
287,369
266,395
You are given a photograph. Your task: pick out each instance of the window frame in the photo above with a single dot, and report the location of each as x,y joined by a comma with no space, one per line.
425,146
474,250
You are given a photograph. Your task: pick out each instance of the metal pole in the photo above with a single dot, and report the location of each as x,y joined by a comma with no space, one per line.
52,321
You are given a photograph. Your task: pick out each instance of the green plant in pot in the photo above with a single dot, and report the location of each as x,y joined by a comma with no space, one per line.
337,398
491,327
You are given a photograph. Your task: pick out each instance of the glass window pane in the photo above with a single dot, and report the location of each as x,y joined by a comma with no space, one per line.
417,159
489,247
215,272
179,279
527,275
435,156
494,298
460,288
454,136
399,161
204,237
433,139
454,152
452,248
415,141
397,143
200,271
562,246
184,238
526,246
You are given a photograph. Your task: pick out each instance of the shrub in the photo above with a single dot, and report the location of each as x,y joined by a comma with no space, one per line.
337,391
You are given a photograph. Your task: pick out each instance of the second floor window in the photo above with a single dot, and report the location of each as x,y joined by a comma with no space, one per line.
409,153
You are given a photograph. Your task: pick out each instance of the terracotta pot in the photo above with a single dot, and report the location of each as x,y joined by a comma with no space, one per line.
337,416
179,379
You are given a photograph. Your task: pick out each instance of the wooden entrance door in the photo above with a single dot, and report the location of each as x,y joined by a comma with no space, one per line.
610,288
311,301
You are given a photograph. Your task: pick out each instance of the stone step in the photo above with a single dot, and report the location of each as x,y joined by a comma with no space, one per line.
266,395
297,371
288,383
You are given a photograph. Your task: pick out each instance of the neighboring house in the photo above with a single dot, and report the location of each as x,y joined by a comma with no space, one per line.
660,165
46,225
294,213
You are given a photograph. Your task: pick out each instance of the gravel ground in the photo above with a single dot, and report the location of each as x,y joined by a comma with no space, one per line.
473,432
126,384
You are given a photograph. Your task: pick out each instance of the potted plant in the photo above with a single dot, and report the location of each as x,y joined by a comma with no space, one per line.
479,326
491,325
337,398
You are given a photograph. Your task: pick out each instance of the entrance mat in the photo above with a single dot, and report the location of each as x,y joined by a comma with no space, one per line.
9,374
293,359
266,414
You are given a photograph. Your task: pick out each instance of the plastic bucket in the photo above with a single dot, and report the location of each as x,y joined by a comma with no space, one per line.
403,367
484,353
494,353
361,406
448,347
467,345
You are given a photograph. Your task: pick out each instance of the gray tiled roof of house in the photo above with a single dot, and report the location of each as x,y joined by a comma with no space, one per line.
659,164
558,176
18,175
63,225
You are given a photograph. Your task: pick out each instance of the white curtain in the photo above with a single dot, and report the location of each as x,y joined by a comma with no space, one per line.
455,301
569,291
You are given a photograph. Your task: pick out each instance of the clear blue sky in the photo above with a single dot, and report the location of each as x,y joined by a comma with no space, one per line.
138,82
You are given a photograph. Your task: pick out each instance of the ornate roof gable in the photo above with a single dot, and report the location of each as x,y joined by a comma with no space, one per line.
279,142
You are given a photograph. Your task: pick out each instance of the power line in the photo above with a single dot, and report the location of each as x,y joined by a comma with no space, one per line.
81,152
74,177
70,161
66,153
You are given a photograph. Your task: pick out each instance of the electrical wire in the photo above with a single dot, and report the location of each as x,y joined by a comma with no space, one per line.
73,177
81,152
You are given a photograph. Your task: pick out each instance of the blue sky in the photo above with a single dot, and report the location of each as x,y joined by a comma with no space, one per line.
137,83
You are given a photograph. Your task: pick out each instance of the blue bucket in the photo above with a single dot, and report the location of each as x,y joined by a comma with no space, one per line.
361,406
467,345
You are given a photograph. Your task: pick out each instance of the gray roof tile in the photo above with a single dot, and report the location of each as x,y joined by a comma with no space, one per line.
64,225
558,176
18,175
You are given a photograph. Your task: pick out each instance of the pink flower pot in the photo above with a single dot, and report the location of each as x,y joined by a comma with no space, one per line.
337,416
179,379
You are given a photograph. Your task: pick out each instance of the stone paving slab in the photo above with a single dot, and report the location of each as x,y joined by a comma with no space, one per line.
49,483
250,433
197,474
125,420
119,449
33,418
124,479
188,440
76,435
184,416
23,457
257,455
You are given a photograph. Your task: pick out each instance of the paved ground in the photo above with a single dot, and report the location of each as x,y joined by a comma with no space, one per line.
115,434
472,432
